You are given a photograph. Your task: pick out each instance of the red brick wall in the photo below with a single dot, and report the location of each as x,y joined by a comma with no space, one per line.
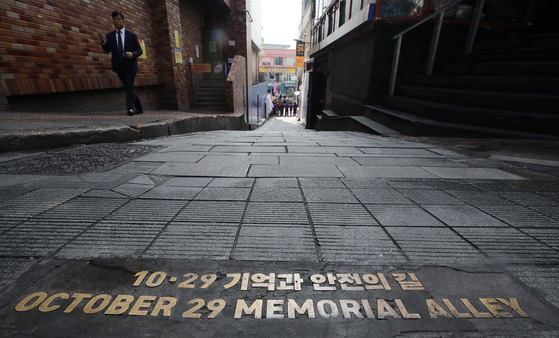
51,46
50,50
236,30
236,80
192,21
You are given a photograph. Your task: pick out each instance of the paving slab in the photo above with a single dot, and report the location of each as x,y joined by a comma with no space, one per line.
220,233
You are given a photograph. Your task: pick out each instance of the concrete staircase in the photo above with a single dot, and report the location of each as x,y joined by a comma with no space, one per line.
505,89
212,95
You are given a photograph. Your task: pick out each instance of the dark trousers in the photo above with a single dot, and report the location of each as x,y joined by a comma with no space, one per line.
132,100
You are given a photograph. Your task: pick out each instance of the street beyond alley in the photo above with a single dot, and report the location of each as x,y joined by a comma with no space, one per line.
280,231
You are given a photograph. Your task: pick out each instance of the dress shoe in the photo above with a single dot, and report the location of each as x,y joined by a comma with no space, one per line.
139,111
130,112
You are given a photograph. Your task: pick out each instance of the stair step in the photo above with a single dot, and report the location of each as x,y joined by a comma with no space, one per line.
535,69
214,106
536,54
494,118
212,90
532,103
410,124
541,40
211,96
352,123
221,95
508,88
492,83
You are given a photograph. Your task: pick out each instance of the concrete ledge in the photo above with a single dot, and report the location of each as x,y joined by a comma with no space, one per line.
352,123
32,139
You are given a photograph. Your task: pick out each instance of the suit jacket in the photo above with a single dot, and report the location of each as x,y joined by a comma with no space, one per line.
131,44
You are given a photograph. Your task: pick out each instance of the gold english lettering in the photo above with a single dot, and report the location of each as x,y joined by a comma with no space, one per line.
78,297
436,310
90,306
454,311
404,311
493,305
349,307
26,304
46,307
143,302
474,311
164,304
368,309
321,307
384,310
242,307
120,305
513,303
307,307
274,308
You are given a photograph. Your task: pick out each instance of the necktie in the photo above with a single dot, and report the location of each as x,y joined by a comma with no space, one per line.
120,47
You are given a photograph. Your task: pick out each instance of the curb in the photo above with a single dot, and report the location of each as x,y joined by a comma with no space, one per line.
126,133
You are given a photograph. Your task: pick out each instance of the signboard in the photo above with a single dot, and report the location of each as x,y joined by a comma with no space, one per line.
277,70
300,54
177,40
178,56
202,68
143,45
289,84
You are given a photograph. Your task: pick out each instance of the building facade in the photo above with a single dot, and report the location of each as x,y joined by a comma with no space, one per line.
51,58
308,13
352,49
277,63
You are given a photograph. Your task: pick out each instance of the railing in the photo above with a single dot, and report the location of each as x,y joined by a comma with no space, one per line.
435,40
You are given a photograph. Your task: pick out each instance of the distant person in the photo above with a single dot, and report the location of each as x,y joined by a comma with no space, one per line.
125,49
269,104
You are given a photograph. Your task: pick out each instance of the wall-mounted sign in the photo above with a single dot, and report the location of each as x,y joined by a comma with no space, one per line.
202,67
277,70
300,54
143,45
178,56
177,40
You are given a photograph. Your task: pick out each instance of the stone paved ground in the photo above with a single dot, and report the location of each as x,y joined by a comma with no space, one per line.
281,194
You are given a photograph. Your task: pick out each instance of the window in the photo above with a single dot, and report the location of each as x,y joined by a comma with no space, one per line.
290,61
265,63
278,61
330,23
403,8
342,12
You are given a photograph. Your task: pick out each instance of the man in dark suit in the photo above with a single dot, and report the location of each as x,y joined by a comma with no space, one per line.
125,49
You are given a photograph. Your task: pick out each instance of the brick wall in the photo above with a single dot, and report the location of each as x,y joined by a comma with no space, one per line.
236,30
50,52
236,81
192,21
53,46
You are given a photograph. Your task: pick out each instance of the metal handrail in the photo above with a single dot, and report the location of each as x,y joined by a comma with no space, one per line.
435,41
454,3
